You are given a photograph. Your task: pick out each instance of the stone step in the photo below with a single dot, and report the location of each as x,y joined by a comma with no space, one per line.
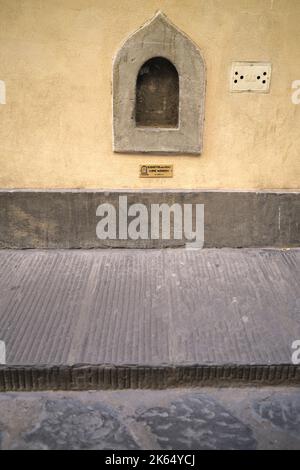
90,319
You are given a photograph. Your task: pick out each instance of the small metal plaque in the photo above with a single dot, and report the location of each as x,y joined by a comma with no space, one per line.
156,171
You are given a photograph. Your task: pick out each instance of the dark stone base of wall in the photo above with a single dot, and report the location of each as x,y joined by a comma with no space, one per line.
67,218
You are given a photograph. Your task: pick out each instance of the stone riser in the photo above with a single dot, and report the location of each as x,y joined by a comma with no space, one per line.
98,377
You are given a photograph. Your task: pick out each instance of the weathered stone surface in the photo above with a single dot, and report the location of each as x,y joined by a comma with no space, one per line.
196,422
159,38
283,412
192,419
67,219
92,427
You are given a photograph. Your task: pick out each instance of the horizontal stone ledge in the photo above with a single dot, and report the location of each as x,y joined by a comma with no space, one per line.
117,377
47,219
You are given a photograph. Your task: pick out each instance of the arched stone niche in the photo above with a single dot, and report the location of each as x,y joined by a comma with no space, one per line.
158,92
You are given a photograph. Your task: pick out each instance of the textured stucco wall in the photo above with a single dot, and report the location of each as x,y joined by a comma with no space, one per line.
56,62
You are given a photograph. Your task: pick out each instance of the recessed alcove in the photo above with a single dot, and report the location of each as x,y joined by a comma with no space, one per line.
158,92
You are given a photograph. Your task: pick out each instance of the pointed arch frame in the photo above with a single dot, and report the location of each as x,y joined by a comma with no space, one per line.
159,37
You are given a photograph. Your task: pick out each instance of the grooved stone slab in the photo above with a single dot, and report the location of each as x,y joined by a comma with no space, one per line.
173,316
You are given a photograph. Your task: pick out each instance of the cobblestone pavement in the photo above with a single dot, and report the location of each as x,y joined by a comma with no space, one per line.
176,419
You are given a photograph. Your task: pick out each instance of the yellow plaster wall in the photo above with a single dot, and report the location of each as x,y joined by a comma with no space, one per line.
56,61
